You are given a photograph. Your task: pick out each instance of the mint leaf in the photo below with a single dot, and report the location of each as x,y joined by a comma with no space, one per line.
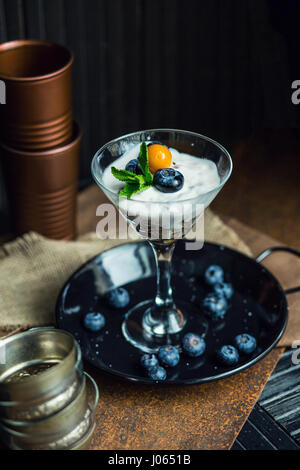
141,179
135,183
142,187
124,175
132,188
144,163
129,190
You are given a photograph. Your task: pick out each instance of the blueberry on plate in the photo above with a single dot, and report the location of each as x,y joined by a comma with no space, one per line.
168,180
134,167
94,321
193,345
118,298
245,343
157,373
148,361
224,288
214,274
228,355
215,306
168,355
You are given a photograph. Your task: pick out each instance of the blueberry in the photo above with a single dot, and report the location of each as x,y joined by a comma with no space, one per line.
168,180
214,274
245,343
148,361
224,288
157,373
215,306
118,298
168,355
134,167
94,321
193,345
228,355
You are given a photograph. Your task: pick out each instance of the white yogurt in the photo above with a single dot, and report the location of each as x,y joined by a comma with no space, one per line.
201,182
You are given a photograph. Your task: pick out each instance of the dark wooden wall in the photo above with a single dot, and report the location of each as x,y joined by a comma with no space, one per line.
214,66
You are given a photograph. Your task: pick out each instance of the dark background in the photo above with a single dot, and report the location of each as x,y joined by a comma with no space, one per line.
219,67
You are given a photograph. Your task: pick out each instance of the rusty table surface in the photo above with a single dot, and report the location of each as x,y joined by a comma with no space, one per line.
207,416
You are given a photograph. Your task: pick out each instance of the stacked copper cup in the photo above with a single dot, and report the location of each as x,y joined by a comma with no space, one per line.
39,138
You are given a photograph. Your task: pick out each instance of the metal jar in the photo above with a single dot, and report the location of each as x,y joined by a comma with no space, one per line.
51,360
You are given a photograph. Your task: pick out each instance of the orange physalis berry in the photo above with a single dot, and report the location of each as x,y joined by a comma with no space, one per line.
159,157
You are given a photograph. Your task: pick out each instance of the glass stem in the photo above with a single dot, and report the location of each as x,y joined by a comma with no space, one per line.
163,254
163,318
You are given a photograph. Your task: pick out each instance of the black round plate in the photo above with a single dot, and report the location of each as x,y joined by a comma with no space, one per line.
258,307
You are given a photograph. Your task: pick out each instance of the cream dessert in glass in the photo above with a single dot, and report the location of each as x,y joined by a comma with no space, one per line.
161,180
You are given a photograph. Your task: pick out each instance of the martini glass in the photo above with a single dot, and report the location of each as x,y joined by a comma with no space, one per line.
159,321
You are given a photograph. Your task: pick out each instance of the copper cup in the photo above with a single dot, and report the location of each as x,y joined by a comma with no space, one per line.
38,110
42,188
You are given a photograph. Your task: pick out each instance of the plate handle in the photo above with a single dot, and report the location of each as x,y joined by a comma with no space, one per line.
273,249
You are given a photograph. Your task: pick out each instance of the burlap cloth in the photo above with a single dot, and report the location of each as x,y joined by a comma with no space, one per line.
33,269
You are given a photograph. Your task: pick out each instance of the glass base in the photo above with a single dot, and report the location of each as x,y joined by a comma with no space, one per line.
149,338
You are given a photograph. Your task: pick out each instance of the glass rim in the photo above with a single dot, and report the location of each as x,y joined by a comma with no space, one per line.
179,131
